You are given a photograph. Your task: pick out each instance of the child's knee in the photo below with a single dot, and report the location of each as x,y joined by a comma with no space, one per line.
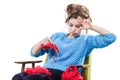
36,77
19,76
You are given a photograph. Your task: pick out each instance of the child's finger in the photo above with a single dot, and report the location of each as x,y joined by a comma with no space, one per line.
79,20
49,40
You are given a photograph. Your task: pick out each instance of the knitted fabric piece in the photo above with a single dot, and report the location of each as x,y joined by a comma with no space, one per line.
50,45
37,70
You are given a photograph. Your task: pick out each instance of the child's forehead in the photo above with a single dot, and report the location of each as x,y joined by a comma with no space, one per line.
74,21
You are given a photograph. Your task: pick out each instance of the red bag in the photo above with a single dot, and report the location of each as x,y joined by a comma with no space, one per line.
71,73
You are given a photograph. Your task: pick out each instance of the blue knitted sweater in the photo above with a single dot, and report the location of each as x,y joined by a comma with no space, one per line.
73,50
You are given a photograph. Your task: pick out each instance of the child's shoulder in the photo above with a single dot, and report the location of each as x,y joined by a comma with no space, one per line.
58,33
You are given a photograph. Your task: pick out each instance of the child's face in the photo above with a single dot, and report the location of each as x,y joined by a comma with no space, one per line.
74,26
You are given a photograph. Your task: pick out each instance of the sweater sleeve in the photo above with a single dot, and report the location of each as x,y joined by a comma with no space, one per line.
40,53
100,41
56,35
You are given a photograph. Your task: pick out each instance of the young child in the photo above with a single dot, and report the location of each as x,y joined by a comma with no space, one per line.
73,46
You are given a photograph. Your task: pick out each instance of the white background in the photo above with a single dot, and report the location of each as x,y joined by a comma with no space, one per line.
24,22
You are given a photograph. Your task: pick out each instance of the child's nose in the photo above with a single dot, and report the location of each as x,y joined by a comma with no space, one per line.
73,27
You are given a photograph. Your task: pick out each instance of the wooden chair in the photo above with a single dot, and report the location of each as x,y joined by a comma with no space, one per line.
86,67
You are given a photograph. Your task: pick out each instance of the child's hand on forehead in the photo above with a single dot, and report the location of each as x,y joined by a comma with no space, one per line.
81,21
86,23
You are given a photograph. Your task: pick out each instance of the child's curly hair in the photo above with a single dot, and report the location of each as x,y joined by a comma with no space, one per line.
75,10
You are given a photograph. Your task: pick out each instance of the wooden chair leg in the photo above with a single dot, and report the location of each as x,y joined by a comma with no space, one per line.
23,67
33,65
